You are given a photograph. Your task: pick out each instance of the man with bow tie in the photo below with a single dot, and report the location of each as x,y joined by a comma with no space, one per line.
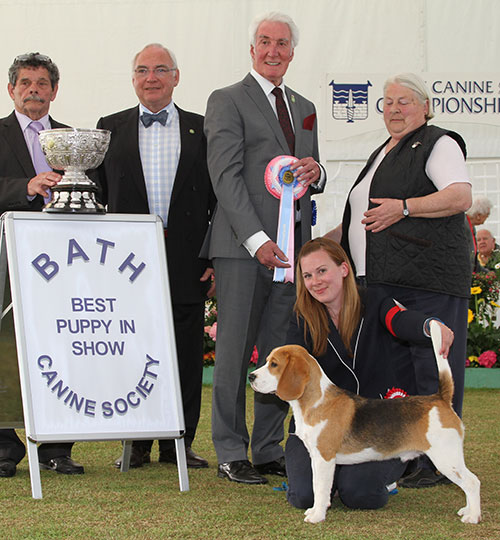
156,163
25,182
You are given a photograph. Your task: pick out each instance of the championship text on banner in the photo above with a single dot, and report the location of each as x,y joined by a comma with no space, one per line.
97,347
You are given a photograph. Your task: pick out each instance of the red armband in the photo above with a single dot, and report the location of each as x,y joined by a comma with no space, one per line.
389,318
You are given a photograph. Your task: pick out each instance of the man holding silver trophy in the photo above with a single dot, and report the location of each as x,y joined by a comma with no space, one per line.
25,183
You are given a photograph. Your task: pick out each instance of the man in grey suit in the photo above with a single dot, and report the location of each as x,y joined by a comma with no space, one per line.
245,130
24,181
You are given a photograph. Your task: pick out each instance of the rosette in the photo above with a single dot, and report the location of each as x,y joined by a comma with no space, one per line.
394,393
282,184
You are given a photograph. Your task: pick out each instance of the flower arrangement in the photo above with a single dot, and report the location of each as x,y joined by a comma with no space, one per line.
210,335
210,332
483,340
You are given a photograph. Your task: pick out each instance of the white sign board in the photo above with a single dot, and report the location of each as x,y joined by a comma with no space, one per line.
94,327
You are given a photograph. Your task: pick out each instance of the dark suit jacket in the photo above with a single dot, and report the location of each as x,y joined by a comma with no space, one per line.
381,358
124,190
16,170
244,135
16,167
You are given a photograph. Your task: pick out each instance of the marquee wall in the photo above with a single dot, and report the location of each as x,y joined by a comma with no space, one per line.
93,42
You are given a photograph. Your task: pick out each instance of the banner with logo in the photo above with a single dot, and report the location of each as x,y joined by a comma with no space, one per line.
355,109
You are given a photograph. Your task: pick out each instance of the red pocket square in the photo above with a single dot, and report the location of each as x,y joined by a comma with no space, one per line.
308,122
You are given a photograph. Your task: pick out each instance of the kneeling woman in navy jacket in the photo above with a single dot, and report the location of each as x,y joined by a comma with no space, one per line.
351,333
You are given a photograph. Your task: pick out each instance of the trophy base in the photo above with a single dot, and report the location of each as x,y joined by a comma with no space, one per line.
74,198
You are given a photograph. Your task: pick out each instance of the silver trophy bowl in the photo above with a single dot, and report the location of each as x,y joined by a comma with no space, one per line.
74,151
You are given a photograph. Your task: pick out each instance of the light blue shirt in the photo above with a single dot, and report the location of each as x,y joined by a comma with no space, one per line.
160,149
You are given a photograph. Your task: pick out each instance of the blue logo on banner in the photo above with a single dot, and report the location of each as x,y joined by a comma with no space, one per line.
350,101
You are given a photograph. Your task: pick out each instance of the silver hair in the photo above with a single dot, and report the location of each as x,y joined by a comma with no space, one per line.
485,230
33,60
480,206
417,85
274,16
159,46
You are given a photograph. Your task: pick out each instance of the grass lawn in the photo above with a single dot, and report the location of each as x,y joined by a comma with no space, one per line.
146,503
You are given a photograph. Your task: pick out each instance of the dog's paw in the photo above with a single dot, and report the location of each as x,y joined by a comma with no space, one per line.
314,515
468,516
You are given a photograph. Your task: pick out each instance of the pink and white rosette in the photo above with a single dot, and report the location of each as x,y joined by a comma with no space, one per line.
281,183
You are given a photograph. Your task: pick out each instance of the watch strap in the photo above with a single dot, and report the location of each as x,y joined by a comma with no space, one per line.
406,212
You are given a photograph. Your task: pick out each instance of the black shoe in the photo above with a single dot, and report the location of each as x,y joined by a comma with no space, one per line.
276,467
7,468
193,461
138,457
240,471
423,478
63,465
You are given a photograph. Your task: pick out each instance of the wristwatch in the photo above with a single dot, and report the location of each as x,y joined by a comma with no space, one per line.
406,212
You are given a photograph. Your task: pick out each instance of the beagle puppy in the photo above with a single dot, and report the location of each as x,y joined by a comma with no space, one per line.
337,426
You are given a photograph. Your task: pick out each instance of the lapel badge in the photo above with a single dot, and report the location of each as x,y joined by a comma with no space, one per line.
415,144
191,131
292,98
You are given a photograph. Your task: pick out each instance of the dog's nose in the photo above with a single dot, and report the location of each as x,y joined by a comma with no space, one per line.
252,377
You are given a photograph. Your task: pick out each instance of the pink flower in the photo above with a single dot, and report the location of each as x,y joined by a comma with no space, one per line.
255,356
213,331
487,359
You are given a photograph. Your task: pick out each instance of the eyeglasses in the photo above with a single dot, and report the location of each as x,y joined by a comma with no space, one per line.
159,71
32,56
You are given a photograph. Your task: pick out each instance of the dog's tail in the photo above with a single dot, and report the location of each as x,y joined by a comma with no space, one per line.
446,385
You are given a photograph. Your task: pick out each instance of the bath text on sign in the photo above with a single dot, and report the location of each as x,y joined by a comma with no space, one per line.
96,322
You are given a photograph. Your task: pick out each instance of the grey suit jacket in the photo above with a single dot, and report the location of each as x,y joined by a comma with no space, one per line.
243,136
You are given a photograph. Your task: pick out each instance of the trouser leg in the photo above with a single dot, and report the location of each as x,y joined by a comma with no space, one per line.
361,486
270,411
241,296
11,446
188,324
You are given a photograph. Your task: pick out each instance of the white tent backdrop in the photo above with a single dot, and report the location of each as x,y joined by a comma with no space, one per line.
93,42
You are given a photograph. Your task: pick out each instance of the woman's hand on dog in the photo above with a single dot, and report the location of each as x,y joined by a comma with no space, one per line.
447,337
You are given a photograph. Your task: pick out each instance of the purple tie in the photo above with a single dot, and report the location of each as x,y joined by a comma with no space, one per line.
39,161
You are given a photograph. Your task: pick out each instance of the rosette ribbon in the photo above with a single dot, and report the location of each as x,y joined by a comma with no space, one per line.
395,393
281,183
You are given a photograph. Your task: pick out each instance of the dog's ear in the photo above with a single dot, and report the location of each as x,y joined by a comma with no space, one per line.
294,378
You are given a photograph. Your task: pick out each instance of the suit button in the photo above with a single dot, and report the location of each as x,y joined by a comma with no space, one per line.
188,213
194,188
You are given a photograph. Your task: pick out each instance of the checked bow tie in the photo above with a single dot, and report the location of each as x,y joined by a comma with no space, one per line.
147,119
